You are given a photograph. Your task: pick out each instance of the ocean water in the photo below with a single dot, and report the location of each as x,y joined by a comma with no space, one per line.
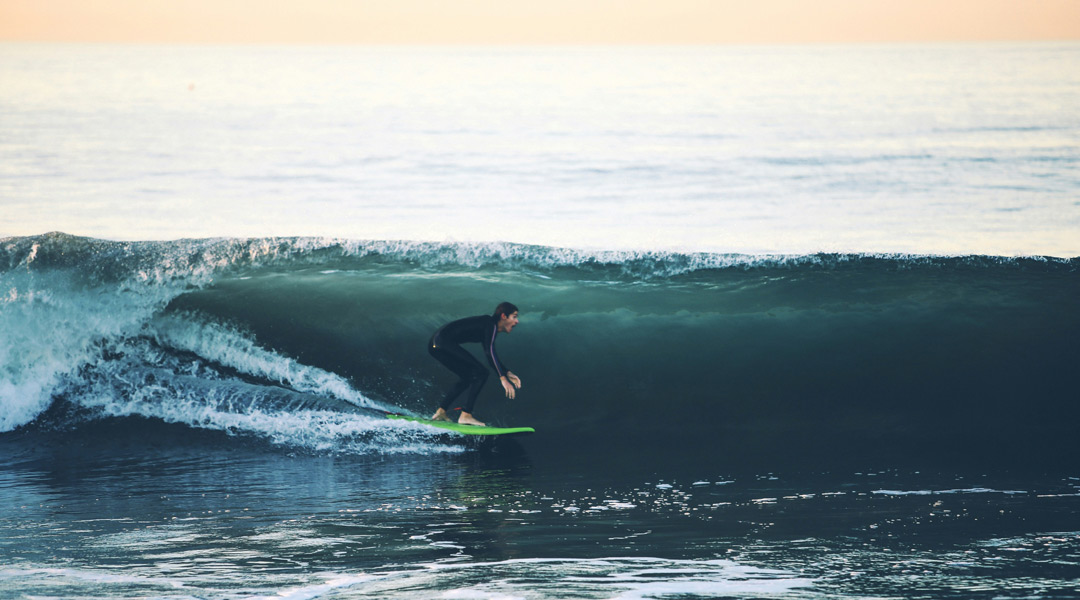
948,149
797,322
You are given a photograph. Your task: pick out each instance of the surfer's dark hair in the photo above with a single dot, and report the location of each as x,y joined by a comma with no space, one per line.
504,308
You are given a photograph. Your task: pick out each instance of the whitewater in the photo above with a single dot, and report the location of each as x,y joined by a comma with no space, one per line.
796,322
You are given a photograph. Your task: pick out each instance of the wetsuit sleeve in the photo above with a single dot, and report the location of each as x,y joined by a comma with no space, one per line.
488,342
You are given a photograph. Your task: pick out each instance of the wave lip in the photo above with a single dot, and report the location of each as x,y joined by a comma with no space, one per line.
199,261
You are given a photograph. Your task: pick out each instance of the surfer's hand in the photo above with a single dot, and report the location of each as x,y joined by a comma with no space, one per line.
507,386
514,379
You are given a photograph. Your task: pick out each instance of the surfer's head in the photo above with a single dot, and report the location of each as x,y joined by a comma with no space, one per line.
506,314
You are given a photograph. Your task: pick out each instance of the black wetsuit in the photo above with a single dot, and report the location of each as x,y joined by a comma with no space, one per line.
445,346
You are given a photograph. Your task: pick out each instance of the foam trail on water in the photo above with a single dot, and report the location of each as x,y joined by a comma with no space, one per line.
231,348
628,577
143,380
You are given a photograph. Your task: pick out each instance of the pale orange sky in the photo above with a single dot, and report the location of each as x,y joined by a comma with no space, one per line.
537,21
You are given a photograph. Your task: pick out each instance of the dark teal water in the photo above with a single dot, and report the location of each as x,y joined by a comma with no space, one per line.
172,512
198,419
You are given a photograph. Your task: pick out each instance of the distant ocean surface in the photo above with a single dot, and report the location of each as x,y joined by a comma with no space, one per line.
797,322
944,149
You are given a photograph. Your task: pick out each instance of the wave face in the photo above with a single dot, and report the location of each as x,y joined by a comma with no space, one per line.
296,340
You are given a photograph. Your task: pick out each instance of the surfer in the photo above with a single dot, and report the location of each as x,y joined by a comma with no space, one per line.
445,346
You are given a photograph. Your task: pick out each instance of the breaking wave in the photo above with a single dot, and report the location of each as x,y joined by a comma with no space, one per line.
303,341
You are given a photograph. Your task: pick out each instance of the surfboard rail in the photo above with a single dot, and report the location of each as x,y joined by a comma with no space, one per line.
463,429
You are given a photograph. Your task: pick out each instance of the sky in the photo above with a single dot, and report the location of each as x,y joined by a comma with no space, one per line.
506,22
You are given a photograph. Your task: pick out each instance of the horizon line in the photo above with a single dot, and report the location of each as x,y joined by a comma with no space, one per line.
578,44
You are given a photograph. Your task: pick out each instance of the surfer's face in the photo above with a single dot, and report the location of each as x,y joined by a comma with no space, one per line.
507,322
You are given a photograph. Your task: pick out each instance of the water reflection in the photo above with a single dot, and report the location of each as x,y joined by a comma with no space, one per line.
163,508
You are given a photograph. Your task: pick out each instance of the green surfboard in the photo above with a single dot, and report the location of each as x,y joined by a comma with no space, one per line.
465,429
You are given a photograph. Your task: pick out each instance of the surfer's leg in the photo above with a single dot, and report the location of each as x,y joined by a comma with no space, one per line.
476,383
455,390
449,361
472,376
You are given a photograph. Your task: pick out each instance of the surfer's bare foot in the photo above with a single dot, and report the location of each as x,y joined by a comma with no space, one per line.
468,419
440,415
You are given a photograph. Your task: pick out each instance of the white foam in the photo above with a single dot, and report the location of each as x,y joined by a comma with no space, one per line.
615,577
234,407
51,326
611,578
336,582
86,575
231,348
949,491
55,319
